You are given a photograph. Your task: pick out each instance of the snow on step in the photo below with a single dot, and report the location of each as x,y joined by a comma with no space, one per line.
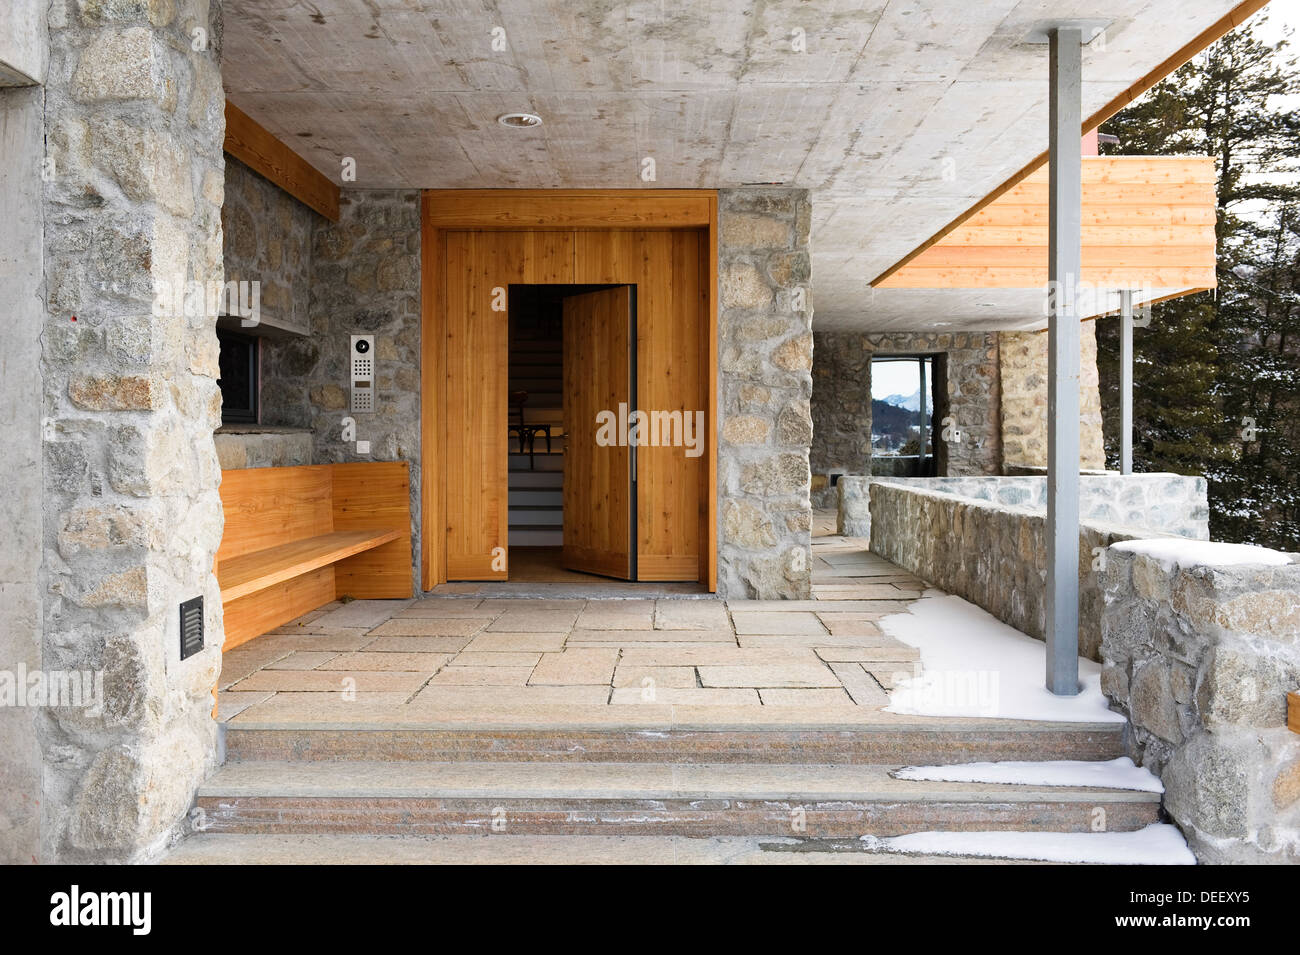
1157,844
975,665
1119,773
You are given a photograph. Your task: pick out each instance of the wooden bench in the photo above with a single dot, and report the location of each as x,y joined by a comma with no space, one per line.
297,538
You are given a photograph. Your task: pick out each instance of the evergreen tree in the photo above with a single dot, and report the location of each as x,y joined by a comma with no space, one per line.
1211,364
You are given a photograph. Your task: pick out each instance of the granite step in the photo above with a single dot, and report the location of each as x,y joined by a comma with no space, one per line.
935,742
640,799
344,849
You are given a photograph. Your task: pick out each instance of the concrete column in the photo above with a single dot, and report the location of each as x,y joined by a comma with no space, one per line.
1065,201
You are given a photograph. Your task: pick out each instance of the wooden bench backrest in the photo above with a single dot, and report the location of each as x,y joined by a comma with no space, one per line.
269,506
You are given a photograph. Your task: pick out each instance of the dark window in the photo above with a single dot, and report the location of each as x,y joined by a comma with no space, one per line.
239,377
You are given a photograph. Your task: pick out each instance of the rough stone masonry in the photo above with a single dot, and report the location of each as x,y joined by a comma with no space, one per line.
134,123
764,391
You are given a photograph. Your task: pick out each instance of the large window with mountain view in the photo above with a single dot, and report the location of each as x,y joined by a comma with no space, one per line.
902,416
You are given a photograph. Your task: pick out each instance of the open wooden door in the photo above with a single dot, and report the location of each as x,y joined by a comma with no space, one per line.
599,492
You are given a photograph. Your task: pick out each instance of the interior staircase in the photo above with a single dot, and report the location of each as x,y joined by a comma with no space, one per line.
536,482
806,784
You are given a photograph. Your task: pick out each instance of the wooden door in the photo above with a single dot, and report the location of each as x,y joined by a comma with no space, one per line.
481,267
668,268
598,492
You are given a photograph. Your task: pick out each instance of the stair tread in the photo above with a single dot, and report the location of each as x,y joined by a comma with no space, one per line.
353,849
539,780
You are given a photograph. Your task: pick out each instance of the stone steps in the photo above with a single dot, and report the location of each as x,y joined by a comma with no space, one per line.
931,742
638,799
342,849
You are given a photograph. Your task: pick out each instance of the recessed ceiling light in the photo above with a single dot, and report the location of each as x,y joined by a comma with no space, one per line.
519,120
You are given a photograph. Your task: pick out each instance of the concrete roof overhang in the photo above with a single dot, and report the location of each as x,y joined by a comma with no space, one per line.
899,115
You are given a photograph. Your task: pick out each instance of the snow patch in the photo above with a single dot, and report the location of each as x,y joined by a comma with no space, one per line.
1157,844
973,664
1119,773
1183,552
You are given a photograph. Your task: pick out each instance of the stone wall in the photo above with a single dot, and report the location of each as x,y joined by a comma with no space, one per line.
1200,659
364,279
993,555
262,446
268,235
1167,503
841,401
764,389
1024,399
134,128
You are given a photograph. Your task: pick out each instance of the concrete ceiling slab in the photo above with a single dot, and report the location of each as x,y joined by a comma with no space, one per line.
898,114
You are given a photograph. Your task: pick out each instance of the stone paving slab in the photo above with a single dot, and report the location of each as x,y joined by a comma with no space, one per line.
303,660
367,660
514,642
474,658
788,675
694,696
416,644
336,681
431,626
568,660
534,621
593,666
481,676
771,622
691,615
677,678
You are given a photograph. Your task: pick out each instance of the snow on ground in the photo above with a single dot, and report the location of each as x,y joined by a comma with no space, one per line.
1157,844
1173,552
973,664
1105,774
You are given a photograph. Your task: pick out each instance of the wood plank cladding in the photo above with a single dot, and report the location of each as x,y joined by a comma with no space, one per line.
568,208
298,537
661,241
254,146
477,359
1148,221
1215,31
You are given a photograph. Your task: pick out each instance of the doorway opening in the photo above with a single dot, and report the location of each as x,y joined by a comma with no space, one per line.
905,406
571,490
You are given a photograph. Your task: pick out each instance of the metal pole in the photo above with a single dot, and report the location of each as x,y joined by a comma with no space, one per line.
1126,382
1065,215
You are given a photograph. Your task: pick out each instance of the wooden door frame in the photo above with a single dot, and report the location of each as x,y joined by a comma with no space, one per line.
530,210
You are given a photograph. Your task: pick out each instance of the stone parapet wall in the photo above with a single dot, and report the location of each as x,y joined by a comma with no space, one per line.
1200,659
765,351
1165,503
993,555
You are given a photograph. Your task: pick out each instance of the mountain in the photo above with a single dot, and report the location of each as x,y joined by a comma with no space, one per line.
911,402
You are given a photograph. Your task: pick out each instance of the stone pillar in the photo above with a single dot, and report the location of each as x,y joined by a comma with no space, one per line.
1024,400
134,122
764,390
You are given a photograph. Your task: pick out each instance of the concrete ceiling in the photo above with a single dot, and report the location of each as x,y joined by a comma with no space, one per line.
900,115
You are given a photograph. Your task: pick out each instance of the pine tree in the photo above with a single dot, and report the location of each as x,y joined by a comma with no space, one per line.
1211,363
